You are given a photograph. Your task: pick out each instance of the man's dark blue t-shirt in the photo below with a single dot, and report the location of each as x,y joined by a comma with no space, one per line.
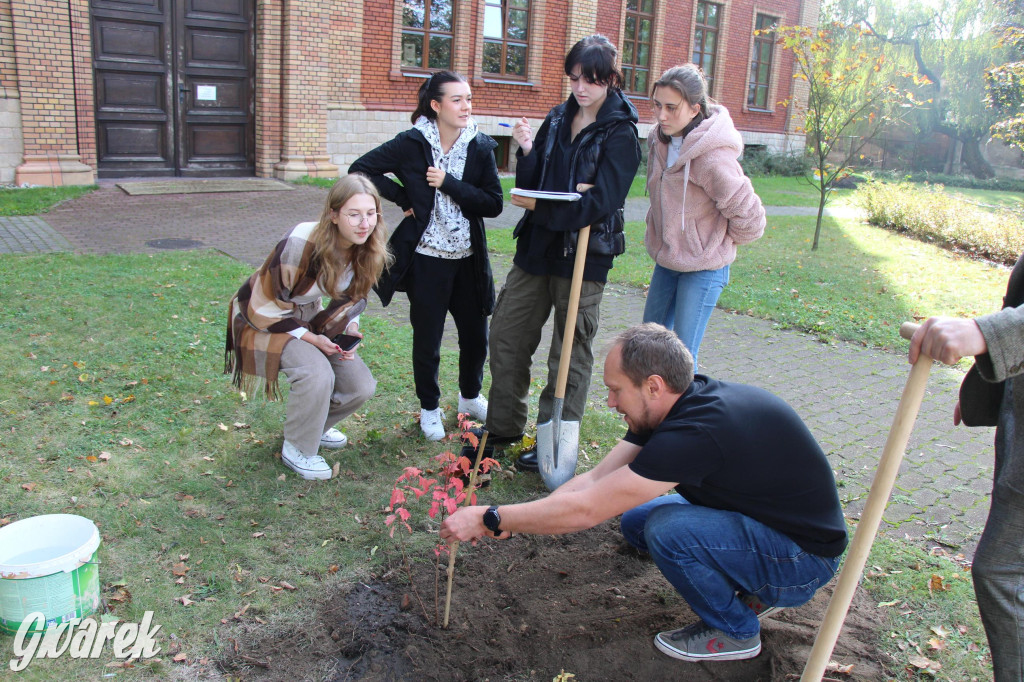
736,447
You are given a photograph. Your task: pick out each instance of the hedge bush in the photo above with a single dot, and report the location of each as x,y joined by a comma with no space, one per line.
762,162
928,213
965,181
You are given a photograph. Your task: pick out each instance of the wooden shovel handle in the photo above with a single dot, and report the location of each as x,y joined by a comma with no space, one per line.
570,314
871,517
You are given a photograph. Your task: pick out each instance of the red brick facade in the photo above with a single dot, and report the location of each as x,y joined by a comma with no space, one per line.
321,69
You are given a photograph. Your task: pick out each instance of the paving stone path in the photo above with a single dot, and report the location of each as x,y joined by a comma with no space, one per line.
847,393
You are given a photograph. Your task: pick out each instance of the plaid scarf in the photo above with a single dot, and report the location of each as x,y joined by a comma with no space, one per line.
262,313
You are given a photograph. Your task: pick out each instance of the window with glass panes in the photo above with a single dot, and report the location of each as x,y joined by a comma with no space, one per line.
761,62
506,30
427,34
705,40
636,45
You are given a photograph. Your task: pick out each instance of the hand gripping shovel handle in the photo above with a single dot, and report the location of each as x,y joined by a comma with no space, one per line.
871,517
557,463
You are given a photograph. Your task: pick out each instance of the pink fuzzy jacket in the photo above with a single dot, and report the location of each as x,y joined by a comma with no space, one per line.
720,207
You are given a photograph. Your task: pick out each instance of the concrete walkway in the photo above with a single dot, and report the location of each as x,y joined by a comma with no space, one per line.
846,393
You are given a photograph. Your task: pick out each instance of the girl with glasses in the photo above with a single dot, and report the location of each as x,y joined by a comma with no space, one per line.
448,185
278,322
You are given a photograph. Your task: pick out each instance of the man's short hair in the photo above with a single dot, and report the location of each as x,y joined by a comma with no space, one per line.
648,349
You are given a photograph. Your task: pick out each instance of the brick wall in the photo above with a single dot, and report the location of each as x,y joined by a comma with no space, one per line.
8,70
44,52
267,95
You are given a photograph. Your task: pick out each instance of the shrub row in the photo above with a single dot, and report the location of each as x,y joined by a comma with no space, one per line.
928,213
965,181
762,162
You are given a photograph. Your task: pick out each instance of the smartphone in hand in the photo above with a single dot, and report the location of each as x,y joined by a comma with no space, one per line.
346,341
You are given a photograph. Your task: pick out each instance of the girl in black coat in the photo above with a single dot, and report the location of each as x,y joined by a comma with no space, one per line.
449,184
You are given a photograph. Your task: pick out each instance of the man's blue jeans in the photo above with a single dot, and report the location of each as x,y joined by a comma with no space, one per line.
709,555
684,301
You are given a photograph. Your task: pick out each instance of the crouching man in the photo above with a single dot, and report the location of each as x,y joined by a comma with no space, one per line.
754,523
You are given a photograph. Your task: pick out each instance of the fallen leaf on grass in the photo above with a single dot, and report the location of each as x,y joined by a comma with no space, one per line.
180,569
125,442
183,497
92,458
259,535
894,602
936,644
185,601
333,568
941,631
936,584
924,663
222,427
240,425
104,455
282,477
180,658
335,469
287,585
28,486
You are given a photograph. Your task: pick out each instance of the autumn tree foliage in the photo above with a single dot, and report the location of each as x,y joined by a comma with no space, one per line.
853,91
1005,83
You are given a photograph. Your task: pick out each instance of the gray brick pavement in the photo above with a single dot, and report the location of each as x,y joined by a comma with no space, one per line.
845,392
30,234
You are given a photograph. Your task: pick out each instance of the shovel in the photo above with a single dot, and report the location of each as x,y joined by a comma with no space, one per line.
558,441
871,517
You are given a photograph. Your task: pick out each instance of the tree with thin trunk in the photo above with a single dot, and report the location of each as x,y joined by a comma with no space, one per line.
854,91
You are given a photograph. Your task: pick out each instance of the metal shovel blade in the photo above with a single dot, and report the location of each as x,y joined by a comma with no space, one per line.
557,448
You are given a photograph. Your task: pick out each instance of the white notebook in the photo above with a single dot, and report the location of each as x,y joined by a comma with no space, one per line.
547,196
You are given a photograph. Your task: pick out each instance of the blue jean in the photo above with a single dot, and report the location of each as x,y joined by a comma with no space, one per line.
684,301
710,555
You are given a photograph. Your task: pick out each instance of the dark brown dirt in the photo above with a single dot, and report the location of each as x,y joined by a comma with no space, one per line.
530,608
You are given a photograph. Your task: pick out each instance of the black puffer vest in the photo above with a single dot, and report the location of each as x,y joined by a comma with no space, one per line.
606,237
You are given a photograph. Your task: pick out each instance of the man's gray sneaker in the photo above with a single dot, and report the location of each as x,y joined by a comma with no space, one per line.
761,609
700,642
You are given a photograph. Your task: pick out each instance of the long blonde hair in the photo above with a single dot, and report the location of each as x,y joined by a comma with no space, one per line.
367,259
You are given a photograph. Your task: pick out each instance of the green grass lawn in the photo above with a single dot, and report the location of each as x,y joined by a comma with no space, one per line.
115,408
35,200
989,198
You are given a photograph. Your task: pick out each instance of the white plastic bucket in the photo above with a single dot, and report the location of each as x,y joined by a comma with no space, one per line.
48,565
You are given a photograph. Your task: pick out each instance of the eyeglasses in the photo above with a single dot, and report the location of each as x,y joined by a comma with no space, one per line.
356,219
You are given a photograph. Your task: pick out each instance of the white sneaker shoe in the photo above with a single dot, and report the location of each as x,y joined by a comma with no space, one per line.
310,468
474,407
432,423
333,438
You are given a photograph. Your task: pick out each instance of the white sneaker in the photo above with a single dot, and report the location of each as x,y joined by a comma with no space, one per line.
333,438
431,421
474,407
310,468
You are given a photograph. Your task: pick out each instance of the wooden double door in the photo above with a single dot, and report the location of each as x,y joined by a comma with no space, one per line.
174,86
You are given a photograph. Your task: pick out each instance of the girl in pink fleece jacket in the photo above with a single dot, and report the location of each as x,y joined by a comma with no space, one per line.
702,205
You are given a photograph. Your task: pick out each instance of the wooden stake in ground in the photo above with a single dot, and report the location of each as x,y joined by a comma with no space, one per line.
881,487
455,545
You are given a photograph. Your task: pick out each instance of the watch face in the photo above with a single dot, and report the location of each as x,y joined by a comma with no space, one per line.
492,520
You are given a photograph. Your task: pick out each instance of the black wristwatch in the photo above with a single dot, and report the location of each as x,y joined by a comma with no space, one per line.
492,520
